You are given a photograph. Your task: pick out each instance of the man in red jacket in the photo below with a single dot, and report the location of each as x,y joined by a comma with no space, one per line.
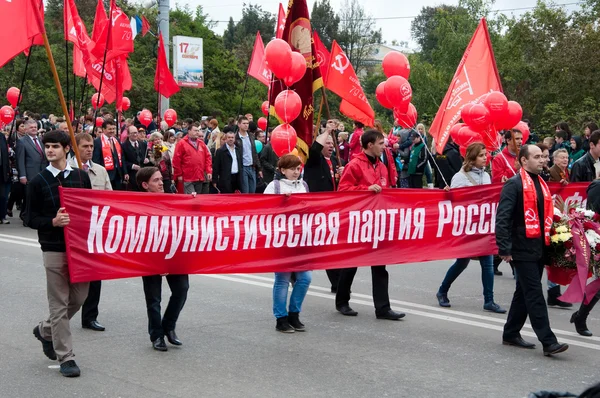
505,164
366,172
192,163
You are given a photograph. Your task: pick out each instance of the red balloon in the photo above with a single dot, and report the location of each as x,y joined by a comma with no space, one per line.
454,129
12,95
463,151
513,116
99,121
497,105
465,112
523,128
265,108
283,139
262,123
288,105
145,117
479,117
491,138
406,120
126,103
278,57
396,64
466,136
297,69
170,117
380,95
398,92
7,114
97,100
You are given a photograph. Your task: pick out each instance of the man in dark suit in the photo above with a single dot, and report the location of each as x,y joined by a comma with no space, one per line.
522,238
31,159
321,173
227,166
108,153
134,155
244,141
5,178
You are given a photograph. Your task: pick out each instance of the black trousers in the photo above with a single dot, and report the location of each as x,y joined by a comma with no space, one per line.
179,285
415,181
380,281
529,300
89,310
334,277
17,196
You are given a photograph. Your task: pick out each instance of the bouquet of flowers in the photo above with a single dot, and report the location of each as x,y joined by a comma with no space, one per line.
575,233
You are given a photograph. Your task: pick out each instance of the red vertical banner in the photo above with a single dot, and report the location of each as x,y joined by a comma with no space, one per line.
280,22
257,68
323,56
475,76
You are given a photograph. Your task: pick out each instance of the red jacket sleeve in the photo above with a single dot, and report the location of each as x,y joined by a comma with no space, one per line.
177,171
498,168
354,142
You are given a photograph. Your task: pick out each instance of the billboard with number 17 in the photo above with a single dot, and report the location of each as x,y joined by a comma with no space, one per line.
188,63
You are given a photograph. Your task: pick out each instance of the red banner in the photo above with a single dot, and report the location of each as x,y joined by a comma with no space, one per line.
475,76
18,27
116,234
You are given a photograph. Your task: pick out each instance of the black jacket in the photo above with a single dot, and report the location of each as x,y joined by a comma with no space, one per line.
5,169
131,157
268,161
449,162
583,170
593,195
221,165
43,203
316,170
510,222
239,144
118,172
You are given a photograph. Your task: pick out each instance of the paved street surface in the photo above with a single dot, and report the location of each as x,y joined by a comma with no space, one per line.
231,348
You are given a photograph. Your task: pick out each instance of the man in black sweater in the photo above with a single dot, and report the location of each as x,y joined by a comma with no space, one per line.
45,214
522,237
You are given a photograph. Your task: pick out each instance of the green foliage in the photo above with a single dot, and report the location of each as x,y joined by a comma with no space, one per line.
325,21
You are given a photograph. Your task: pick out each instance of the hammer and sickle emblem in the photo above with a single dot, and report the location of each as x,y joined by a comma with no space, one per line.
339,63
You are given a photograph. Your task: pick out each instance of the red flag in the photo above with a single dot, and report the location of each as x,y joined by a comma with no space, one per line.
93,67
257,68
38,40
475,76
164,82
71,111
145,26
323,56
352,112
100,22
280,22
120,41
78,66
342,80
297,33
18,27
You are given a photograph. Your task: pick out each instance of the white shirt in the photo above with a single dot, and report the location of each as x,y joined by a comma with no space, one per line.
55,172
234,164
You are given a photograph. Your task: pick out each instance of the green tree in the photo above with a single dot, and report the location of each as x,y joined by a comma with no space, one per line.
325,21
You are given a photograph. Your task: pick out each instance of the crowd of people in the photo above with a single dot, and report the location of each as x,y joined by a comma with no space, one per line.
200,157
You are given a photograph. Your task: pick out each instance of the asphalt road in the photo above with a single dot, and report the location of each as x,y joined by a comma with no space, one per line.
231,348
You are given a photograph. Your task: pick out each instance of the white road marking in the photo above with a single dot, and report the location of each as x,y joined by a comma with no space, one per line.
451,315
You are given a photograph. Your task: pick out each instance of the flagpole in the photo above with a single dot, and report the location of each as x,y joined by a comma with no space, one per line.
84,88
14,125
335,141
67,74
243,95
108,34
59,91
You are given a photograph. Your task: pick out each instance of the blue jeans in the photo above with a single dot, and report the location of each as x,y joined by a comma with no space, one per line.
249,180
4,193
487,276
280,292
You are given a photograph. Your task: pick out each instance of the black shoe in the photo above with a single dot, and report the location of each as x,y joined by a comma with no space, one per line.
294,321
172,337
391,315
70,369
284,326
94,325
9,213
47,346
555,348
580,325
159,344
518,342
497,273
493,307
553,295
443,300
333,289
346,310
